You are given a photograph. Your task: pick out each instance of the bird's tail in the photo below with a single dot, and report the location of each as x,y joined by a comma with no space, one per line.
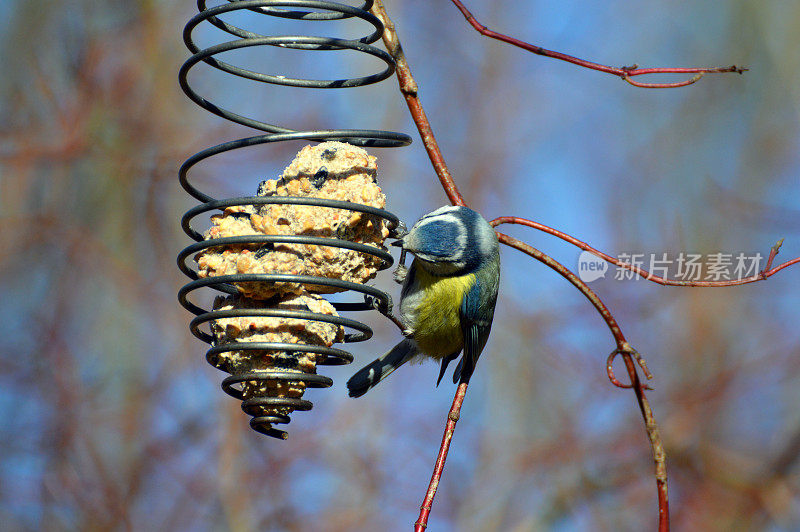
374,372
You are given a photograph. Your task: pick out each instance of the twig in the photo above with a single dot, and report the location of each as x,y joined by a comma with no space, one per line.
449,428
623,347
630,357
409,89
766,272
624,73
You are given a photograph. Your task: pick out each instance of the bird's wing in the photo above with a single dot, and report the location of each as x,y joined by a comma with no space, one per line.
477,311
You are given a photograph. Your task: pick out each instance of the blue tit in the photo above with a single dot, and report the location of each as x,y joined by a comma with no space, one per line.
448,296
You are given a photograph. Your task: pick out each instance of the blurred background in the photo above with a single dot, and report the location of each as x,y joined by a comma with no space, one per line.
110,418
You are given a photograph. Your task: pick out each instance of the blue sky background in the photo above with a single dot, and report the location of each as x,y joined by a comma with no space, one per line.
111,418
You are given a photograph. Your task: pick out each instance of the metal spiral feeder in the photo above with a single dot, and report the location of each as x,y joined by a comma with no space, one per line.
372,298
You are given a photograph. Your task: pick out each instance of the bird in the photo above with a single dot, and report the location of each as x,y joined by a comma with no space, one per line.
448,296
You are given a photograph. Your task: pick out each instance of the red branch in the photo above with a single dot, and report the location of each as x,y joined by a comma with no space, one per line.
410,91
766,272
626,72
450,427
629,355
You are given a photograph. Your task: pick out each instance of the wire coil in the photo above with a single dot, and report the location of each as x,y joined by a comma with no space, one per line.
307,10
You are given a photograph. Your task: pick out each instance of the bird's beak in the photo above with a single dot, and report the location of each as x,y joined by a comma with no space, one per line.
398,243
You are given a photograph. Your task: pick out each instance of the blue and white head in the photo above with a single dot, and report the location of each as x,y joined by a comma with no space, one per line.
451,240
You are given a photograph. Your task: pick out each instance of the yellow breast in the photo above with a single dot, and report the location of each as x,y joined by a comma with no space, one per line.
436,319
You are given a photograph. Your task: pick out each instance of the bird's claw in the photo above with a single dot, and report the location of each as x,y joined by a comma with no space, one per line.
379,304
400,273
399,231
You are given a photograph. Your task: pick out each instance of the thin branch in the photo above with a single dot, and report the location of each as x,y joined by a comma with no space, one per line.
566,273
410,91
630,357
625,72
765,272
450,427
623,347
694,79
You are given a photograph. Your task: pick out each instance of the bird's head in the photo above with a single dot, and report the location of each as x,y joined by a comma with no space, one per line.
451,240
